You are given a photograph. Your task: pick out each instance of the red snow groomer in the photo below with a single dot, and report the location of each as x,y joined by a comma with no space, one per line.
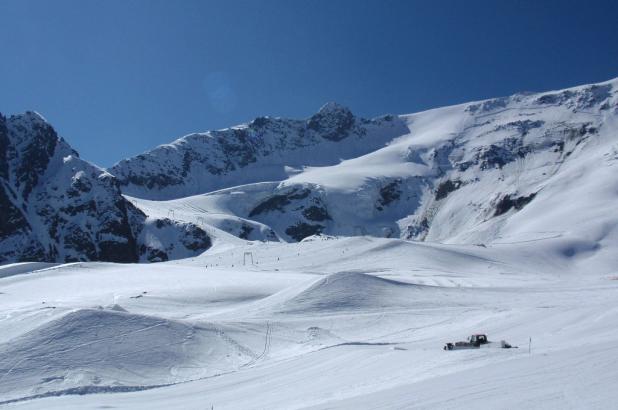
474,342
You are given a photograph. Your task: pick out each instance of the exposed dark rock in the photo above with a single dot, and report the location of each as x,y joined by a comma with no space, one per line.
33,251
81,185
576,131
316,213
163,222
11,218
594,95
152,180
190,237
302,230
4,146
464,166
488,105
237,151
278,202
118,250
389,193
153,255
523,127
497,155
333,122
187,159
583,99
115,251
441,157
81,243
259,122
196,239
554,99
87,207
509,202
446,188
245,231
35,156
418,230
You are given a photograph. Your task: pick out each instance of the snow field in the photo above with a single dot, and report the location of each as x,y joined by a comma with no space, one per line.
357,322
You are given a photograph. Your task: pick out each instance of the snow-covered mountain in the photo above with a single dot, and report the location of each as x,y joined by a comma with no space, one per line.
55,206
524,167
266,149
511,169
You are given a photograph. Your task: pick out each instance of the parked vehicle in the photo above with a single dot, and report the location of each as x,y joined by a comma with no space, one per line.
474,342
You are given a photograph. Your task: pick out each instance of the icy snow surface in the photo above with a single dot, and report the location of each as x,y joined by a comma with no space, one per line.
327,323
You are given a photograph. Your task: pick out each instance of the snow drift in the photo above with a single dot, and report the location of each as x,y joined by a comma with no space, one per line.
111,347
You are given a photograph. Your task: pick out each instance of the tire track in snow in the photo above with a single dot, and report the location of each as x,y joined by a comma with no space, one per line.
266,350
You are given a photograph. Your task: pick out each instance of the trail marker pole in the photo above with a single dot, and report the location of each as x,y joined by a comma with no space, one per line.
529,345
244,257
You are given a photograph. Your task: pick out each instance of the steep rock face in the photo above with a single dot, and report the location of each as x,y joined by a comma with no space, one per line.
333,122
266,149
296,213
56,207
297,210
162,239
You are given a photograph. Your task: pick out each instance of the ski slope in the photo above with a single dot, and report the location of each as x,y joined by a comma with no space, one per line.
325,323
340,255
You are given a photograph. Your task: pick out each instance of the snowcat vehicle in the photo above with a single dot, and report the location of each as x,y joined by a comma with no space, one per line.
474,342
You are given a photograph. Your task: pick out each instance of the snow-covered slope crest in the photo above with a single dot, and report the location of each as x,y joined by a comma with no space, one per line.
56,207
266,149
518,168
153,351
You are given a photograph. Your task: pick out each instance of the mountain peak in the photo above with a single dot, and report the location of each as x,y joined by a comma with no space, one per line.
332,121
332,107
32,117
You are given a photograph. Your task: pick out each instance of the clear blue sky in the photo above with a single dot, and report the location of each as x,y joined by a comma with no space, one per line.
118,77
